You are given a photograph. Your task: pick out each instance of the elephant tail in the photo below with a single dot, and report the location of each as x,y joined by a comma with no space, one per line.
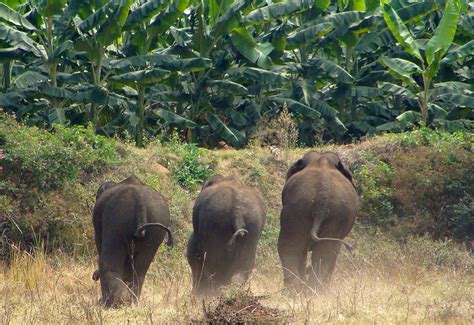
315,238
140,233
239,233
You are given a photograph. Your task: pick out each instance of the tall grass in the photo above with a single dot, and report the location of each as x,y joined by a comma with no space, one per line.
385,281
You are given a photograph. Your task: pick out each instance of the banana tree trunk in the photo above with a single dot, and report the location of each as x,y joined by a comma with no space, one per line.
141,116
7,74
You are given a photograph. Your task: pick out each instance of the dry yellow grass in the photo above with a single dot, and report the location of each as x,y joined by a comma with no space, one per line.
383,282
414,280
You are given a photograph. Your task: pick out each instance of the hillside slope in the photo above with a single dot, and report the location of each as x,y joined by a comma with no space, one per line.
409,265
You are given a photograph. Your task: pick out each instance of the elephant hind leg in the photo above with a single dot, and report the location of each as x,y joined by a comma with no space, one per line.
114,290
323,261
293,256
143,254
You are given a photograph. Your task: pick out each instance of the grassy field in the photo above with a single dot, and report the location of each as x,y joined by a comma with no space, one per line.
420,281
402,270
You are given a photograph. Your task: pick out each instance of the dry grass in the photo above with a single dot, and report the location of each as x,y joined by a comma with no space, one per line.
383,282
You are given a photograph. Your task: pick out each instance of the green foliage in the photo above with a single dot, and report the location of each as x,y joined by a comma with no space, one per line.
460,218
192,170
36,158
189,165
433,182
374,181
214,69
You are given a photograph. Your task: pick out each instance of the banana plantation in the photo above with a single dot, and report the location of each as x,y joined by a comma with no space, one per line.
212,69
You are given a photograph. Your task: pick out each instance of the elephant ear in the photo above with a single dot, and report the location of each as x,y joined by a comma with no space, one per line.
214,179
104,187
340,166
133,180
296,167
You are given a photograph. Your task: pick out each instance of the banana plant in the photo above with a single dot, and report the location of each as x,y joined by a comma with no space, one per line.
417,69
208,97
146,23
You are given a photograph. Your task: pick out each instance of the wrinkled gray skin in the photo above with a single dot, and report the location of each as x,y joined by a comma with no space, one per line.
320,205
130,222
228,218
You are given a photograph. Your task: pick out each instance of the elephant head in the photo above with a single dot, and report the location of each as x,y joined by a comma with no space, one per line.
316,159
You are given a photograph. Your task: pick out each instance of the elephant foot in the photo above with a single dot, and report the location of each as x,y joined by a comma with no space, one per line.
96,275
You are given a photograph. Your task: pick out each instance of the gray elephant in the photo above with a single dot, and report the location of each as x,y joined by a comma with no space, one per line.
228,218
130,222
320,204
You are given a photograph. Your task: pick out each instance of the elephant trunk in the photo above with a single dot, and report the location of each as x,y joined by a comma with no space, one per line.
315,238
238,233
140,232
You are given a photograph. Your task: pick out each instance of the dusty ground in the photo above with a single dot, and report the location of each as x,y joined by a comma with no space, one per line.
383,282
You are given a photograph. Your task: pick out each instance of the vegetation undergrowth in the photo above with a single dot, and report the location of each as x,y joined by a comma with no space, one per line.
416,191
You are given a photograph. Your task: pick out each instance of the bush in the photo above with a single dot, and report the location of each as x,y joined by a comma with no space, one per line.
374,181
429,180
189,165
46,160
193,169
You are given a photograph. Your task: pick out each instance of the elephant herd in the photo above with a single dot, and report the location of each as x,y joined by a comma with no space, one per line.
319,206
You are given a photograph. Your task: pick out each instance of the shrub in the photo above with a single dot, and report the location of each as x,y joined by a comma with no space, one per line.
189,165
374,181
193,169
46,160
430,179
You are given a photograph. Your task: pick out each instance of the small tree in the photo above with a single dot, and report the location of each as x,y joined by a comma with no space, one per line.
427,94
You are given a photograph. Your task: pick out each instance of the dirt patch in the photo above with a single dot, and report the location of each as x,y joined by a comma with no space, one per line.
241,308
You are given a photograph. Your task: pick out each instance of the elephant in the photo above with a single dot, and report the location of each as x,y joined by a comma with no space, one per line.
228,218
130,222
319,206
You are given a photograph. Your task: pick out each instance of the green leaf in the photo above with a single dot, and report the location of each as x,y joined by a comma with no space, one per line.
278,10
166,19
250,49
259,75
396,90
322,4
307,35
458,99
230,19
52,91
57,116
445,31
452,87
142,76
329,114
297,107
332,69
459,53
221,129
29,79
101,16
60,51
168,62
364,91
110,29
12,53
21,40
9,15
409,117
400,31
228,85
143,13
172,118
400,69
